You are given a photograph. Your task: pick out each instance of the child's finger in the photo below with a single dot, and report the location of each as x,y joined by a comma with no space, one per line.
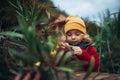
37,76
18,77
27,77
64,44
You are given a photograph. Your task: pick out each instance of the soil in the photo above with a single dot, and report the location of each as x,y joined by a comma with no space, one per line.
95,76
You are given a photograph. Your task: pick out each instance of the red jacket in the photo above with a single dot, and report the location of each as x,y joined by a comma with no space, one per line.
88,51
86,56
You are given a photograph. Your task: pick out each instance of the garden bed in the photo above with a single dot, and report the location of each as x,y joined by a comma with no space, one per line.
95,76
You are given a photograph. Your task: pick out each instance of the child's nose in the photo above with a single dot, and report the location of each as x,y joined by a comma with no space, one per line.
73,37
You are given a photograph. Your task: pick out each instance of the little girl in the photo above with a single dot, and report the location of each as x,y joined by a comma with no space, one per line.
77,37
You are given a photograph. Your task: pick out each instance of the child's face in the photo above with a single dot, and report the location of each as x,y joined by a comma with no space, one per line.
74,37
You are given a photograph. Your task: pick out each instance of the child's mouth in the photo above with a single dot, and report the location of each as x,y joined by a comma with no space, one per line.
74,43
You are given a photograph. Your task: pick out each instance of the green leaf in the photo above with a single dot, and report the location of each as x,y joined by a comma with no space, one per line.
12,34
13,5
2,37
22,24
90,68
58,57
40,14
34,11
18,55
65,69
50,43
76,63
20,13
19,5
66,57
19,44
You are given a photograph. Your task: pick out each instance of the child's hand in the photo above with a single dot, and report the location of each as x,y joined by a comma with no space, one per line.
28,76
77,50
64,45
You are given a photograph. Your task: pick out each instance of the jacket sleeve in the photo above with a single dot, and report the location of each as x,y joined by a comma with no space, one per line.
86,56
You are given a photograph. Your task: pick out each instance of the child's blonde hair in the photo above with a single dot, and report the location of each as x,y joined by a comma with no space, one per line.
87,38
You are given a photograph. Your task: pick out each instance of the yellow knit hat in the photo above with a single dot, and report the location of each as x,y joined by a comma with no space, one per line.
73,22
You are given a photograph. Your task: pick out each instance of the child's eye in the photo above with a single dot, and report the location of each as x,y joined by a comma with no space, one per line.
69,34
77,34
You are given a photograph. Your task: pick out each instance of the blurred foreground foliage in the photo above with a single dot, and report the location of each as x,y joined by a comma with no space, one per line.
27,49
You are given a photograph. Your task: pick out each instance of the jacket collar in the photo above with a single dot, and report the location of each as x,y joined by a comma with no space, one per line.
83,44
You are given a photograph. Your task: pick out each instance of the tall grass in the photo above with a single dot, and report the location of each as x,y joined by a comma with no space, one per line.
107,40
